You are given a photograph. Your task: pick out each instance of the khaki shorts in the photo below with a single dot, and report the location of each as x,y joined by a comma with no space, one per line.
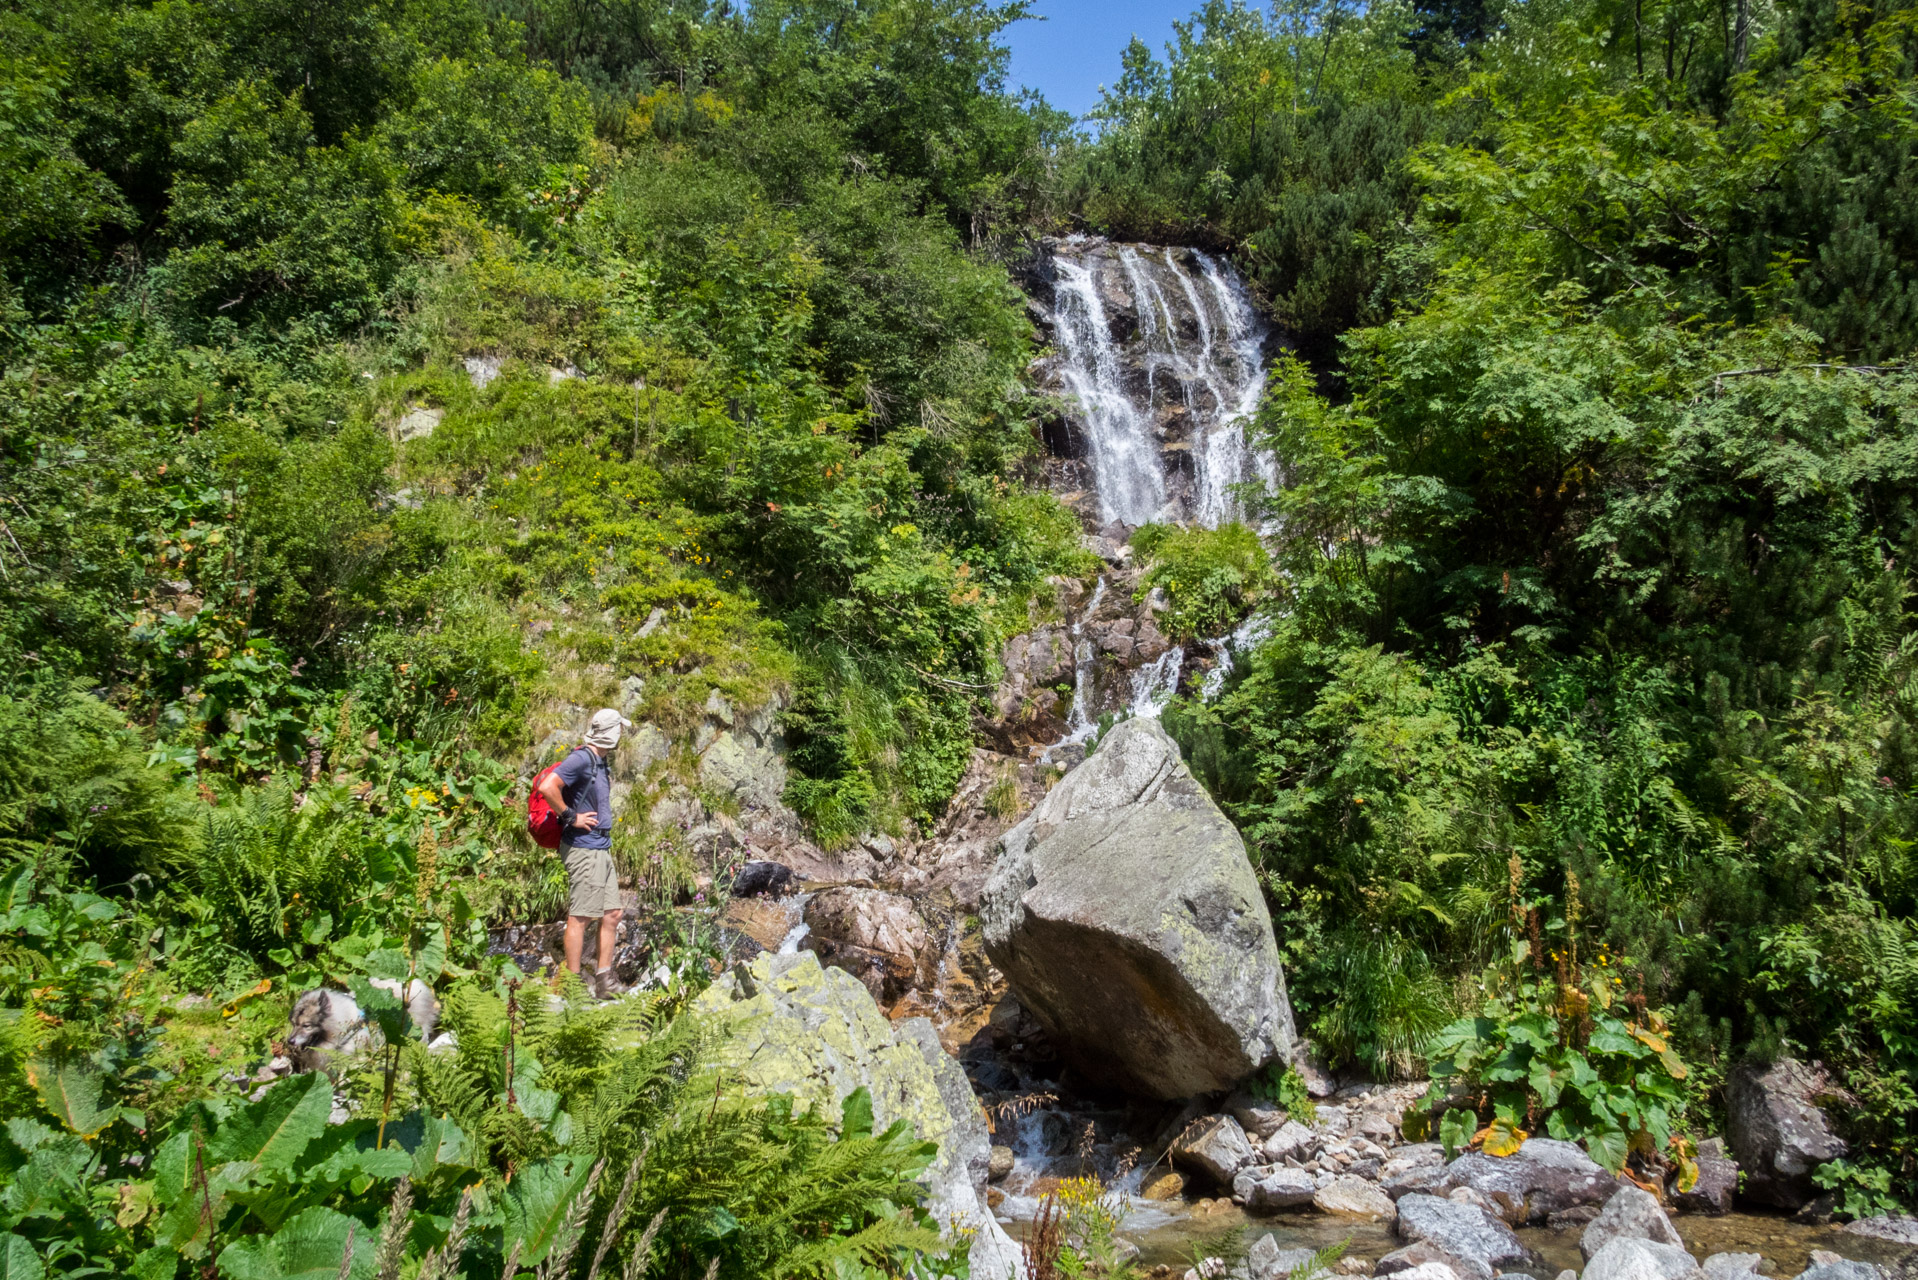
592,885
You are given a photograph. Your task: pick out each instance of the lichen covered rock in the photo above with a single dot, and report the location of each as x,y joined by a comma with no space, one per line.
1124,913
814,1034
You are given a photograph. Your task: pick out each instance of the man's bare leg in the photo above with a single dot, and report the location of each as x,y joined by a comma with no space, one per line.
608,943
576,939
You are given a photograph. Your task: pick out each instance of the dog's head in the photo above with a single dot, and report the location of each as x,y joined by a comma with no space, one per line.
311,1013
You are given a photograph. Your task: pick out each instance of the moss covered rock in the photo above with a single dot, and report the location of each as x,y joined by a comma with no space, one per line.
814,1034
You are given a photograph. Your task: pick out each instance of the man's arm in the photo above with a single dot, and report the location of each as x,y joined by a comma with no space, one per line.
550,788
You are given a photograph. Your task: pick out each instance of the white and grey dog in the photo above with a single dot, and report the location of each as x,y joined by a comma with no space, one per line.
327,1022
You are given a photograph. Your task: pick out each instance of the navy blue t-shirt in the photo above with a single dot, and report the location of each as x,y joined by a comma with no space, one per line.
586,782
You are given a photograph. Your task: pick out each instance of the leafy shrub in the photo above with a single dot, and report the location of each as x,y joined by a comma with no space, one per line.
276,862
75,778
1211,577
1386,1002
1572,1051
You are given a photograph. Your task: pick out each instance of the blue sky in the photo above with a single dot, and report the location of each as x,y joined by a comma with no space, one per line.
1068,56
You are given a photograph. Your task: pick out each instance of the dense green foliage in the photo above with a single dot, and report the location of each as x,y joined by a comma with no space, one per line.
383,380
288,590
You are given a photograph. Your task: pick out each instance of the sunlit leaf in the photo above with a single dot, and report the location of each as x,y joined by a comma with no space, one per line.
71,1093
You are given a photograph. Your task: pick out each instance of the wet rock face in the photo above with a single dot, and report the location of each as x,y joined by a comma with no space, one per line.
1094,651
1126,917
1778,1132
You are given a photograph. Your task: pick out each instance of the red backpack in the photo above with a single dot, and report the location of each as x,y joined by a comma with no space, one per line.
541,821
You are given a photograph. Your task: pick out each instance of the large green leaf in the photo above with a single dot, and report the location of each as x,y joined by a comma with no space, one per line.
18,1261
275,1130
381,1008
536,1205
71,1092
309,1247
53,1182
442,1145
1455,1130
855,1114
1608,1147
198,1208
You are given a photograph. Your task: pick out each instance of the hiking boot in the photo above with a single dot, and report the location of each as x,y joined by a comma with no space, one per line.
605,986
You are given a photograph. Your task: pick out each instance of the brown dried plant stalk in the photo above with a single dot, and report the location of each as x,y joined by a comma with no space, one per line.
443,1263
643,1251
616,1218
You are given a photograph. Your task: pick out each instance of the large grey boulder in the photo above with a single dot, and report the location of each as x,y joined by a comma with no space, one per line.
1265,1260
1354,1197
1412,1258
1126,917
1625,1258
1290,1139
1900,1228
1778,1132
1731,1266
1631,1214
1842,1269
1479,1244
1544,1177
1259,1117
1268,1188
788,1026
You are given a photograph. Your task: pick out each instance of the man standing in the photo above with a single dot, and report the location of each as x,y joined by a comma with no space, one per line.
580,791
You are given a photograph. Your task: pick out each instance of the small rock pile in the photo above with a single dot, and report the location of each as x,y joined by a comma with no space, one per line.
1336,1163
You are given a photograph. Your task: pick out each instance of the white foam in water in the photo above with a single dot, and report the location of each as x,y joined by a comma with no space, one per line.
789,946
1125,458
1154,684
1243,640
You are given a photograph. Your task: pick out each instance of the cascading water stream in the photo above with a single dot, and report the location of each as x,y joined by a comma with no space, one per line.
1130,483
1161,358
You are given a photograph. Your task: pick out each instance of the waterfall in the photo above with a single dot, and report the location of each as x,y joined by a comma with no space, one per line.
1159,360
1161,353
1080,724
1124,461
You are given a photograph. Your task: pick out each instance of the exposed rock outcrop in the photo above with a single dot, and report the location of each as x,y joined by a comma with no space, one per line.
1632,1214
815,1035
1124,913
1478,1243
1626,1258
1717,1182
1092,652
1778,1132
878,937
1545,1177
